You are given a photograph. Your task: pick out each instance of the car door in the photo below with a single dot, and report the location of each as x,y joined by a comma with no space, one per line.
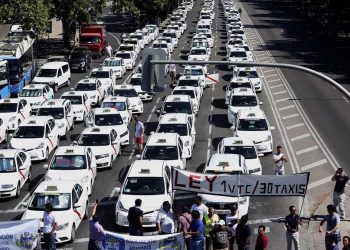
48,94
69,115
100,90
52,134
25,110
115,142
192,129
60,77
91,160
78,206
22,171
27,162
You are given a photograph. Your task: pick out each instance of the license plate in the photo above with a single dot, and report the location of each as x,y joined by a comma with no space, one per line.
74,67
147,219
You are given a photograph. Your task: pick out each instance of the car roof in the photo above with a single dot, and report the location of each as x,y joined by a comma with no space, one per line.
194,67
35,86
113,58
188,77
52,103
243,92
147,168
240,79
124,86
163,139
173,119
225,162
237,49
73,93
185,88
246,69
10,100
136,75
115,99
177,98
252,113
71,150
8,153
106,111
101,69
55,64
55,186
237,141
88,80
97,130
36,121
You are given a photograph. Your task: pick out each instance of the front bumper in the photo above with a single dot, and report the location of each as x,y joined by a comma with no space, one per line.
104,162
78,67
149,220
137,110
264,147
145,97
8,193
36,154
79,116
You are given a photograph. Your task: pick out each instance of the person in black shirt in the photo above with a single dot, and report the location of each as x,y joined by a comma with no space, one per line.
292,222
135,218
338,195
243,233
220,236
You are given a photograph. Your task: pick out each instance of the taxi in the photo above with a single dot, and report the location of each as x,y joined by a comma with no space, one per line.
190,91
150,181
106,76
135,81
109,118
93,89
35,95
246,148
78,161
37,135
183,125
241,98
104,142
128,58
70,202
13,111
116,64
253,124
167,147
237,82
230,164
192,81
80,104
237,55
15,170
201,73
177,104
168,41
252,74
199,54
121,104
61,111
128,91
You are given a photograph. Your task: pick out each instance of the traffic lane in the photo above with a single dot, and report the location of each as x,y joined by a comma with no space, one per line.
313,93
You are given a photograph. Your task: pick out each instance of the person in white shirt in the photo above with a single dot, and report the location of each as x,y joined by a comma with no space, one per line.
165,220
279,159
172,72
109,50
139,134
49,228
200,207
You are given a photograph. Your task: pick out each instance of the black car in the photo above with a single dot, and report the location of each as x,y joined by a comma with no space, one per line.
80,60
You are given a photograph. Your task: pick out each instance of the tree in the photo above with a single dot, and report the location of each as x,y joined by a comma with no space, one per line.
30,14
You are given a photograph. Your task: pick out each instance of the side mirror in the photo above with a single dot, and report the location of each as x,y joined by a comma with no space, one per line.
138,157
260,155
117,190
261,103
76,205
24,204
46,166
22,168
272,128
158,111
233,127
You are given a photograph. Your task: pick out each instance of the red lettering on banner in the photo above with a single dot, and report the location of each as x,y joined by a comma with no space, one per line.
210,182
176,180
192,181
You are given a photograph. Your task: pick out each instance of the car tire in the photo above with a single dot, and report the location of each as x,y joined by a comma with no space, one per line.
72,127
29,175
55,88
111,163
47,154
18,190
90,193
72,234
68,83
86,213
85,69
6,138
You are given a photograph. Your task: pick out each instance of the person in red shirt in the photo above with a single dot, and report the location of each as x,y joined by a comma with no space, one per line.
261,241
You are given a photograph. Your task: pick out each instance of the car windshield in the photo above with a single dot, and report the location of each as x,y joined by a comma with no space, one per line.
59,201
198,52
249,74
74,100
77,56
8,107
240,32
99,74
124,55
85,87
126,48
47,73
112,63
191,83
160,153
29,132
89,39
248,152
120,106
125,92
200,44
252,125
94,140
178,107
172,35
243,101
135,81
144,186
238,54
108,120
56,113
31,93
240,85
193,72
181,129
68,162
7,165
235,42
160,45
184,92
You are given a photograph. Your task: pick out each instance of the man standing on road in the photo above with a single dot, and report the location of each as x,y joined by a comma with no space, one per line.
97,233
346,243
333,222
199,206
262,241
338,195
139,134
279,160
196,230
135,218
292,222
243,234
172,72
231,221
220,236
184,223
210,220
49,228
109,50
165,220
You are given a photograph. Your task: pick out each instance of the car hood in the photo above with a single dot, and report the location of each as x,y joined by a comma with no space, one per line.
61,217
256,136
75,61
67,175
88,93
9,178
253,163
218,198
25,143
7,116
117,68
148,203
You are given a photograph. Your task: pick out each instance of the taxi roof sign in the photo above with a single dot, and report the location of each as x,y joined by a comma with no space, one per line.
223,164
71,93
145,171
51,103
251,115
69,150
106,111
1,155
7,100
96,130
51,188
32,122
173,119
238,142
161,141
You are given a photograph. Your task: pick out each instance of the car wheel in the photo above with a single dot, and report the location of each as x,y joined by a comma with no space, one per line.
68,83
72,234
86,214
111,163
85,69
47,154
72,127
18,190
6,138
55,88
29,175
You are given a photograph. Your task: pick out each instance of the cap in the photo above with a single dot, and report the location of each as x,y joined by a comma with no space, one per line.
221,222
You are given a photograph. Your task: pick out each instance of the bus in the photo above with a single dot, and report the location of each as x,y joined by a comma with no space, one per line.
16,64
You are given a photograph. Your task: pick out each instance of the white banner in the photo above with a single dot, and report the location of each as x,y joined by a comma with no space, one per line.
19,234
241,185
116,241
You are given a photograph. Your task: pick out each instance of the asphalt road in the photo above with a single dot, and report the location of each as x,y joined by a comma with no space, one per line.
309,117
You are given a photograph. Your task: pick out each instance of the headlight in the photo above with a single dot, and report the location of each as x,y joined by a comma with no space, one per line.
61,125
256,84
12,119
41,145
120,207
187,143
116,71
85,179
63,226
81,111
6,186
93,97
140,103
47,178
102,156
242,200
82,64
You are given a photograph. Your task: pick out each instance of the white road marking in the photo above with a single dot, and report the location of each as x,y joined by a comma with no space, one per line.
345,99
116,38
154,108
132,153
157,100
263,58
314,164
210,128
300,137
289,116
306,150
150,116
266,61
11,211
103,203
262,221
280,92
262,52
287,107
269,70
295,126
80,240
274,80
319,182
266,76
282,100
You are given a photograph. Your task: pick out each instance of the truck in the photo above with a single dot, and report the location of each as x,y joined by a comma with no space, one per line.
94,37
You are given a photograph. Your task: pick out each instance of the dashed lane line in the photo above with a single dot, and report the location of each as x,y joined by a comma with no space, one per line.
286,107
290,116
306,150
271,75
319,182
282,100
279,92
314,164
275,80
297,138
295,126
276,86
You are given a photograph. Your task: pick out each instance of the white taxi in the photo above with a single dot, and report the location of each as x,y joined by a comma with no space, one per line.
106,76
61,111
167,147
73,163
81,104
93,89
121,104
70,206
241,98
15,170
253,124
231,164
4,134
190,91
13,111
128,91
181,124
237,82
199,54
252,74
246,148
177,104
191,81
128,58
109,118
104,142
135,81
37,135
237,55
36,94
150,181
200,72
116,64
